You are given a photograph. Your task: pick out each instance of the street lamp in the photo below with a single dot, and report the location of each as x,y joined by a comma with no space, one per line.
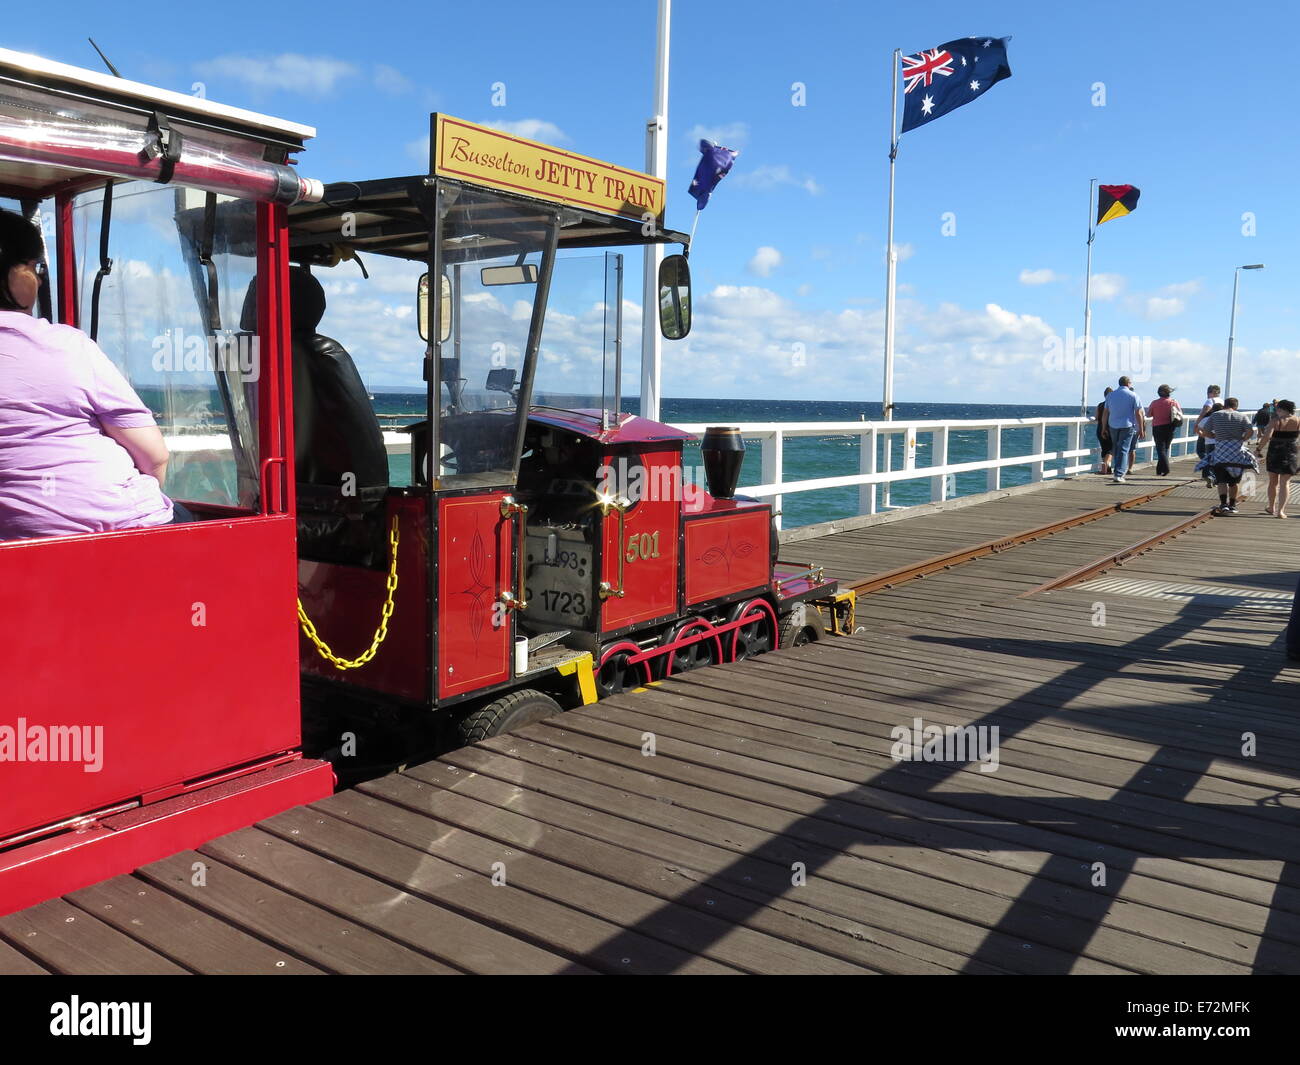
1232,326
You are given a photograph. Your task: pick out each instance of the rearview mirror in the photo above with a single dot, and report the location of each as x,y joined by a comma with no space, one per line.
444,310
674,297
524,274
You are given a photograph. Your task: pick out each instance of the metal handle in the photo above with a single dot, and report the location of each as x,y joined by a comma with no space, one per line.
607,590
264,485
517,600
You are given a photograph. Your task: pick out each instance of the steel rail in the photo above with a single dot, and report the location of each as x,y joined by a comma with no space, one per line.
1118,558
937,563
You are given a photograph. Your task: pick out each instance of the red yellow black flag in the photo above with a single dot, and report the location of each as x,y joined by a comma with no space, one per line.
1115,201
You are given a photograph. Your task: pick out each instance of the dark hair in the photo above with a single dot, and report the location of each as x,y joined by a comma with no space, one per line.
20,242
1286,405
1125,382
1231,401
1108,391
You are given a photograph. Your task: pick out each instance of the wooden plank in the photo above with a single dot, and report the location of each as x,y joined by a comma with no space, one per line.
470,889
187,935
15,963
310,932
406,918
768,877
67,940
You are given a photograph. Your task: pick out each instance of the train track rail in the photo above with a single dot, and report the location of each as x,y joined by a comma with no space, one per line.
889,579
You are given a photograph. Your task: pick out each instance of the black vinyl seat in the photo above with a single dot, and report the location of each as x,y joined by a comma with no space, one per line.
340,460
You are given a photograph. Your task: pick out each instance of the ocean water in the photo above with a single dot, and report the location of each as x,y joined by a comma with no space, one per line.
806,458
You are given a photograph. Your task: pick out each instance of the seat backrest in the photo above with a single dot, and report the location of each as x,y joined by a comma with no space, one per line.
336,433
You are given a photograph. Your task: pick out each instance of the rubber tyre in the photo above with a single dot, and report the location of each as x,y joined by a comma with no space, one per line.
505,715
798,630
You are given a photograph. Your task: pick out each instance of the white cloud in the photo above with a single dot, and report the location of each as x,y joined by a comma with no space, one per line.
288,72
903,252
765,260
1107,286
1154,308
730,135
533,129
1039,277
391,80
766,178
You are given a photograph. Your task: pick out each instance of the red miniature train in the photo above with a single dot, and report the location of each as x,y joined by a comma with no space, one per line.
532,556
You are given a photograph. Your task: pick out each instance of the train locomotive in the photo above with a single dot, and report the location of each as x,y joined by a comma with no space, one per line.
560,553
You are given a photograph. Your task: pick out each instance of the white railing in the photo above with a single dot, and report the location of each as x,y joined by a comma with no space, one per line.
878,443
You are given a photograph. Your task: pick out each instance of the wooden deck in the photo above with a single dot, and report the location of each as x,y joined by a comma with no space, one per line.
772,831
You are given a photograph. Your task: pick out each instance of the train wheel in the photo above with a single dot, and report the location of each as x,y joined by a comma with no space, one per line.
505,715
802,625
757,632
616,673
707,652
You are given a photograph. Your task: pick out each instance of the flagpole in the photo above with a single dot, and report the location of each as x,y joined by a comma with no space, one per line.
1087,303
890,256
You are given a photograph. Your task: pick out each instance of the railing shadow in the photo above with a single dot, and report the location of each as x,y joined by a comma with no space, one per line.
1277,950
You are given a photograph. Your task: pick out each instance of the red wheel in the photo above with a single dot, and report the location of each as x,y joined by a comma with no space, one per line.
704,652
757,631
616,674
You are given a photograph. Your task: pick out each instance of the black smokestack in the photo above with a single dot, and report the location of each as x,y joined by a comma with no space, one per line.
723,450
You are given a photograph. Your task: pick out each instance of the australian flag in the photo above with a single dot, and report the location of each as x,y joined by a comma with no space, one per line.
715,163
944,78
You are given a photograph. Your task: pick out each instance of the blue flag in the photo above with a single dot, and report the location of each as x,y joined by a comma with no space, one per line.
944,78
715,162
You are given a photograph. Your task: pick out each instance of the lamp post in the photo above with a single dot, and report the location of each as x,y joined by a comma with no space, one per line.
1232,326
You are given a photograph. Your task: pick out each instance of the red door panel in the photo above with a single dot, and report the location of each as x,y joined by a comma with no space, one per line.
174,645
648,546
475,551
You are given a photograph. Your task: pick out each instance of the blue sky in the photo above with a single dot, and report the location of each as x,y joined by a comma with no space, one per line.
789,262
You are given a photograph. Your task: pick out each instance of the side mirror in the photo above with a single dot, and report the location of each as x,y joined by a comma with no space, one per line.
444,311
675,297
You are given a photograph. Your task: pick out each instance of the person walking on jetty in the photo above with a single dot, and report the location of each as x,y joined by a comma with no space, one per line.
1265,414
1166,416
1210,405
1280,445
1103,433
1228,457
1126,424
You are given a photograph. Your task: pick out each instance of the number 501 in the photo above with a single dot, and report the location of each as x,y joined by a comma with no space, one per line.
645,545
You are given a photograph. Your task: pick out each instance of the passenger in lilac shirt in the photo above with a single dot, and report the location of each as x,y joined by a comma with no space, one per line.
79,451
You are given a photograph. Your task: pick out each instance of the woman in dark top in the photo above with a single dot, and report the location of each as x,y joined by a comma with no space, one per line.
1103,432
1282,438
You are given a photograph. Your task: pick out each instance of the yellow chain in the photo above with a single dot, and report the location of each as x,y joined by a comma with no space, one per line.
381,633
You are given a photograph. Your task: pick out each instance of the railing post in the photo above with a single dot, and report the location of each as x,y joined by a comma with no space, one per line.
867,465
773,459
994,475
1039,446
887,435
1074,442
939,458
